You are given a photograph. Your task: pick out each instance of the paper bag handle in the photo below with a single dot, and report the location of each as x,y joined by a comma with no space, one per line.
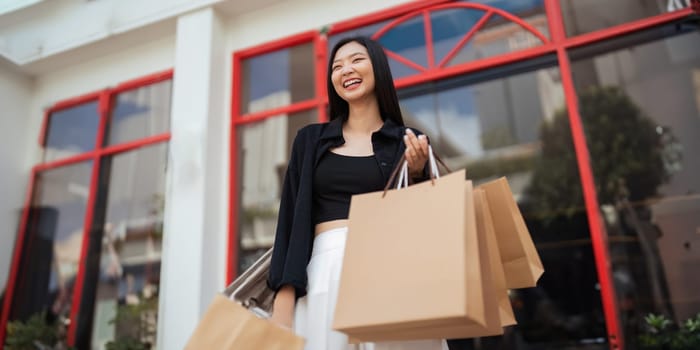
402,168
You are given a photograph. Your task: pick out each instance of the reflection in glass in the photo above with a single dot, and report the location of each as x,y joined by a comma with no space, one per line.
129,251
277,79
496,128
52,244
408,40
581,17
640,107
71,131
498,35
140,113
264,151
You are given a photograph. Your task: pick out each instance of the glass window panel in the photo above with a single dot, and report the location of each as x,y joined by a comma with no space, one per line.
52,245
126,274
498,35
515,126
583,16
277,78
140,113
71,131
449,27
640,106
408,40
263,153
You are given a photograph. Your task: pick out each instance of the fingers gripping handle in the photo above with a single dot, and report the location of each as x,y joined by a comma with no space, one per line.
401,170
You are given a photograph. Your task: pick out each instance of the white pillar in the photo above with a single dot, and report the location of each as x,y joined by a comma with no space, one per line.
194,247
19,143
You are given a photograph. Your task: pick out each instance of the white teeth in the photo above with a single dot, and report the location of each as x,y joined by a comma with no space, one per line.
350,82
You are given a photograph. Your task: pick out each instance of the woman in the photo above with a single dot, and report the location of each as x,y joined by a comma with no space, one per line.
354,153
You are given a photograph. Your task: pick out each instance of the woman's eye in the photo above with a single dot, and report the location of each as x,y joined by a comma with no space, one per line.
335,68
357,60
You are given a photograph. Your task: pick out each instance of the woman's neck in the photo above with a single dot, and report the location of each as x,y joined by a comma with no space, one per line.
364,117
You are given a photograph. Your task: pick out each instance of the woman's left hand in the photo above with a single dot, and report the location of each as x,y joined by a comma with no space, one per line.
416,152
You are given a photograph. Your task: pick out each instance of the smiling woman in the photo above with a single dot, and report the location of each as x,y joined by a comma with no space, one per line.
330,162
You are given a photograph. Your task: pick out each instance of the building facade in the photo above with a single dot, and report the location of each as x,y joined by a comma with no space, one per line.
145,145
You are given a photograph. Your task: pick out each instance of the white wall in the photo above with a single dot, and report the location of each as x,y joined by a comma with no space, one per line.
51,27
292,17
15,98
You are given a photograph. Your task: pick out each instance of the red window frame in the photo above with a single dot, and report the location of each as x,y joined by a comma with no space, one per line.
238,119
558,44
105,105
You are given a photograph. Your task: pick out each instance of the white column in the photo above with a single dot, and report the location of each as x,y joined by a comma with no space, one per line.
194,247
19,143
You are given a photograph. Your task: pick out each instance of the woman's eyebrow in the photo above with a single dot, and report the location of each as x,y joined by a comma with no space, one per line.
351,55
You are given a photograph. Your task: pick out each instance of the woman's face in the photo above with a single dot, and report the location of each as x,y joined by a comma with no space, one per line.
351,73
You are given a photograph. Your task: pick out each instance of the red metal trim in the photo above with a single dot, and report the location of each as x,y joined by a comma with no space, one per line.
552,11
472,66
122,147
597,229
469,5
143,81
16,257
626,28
65,161
279,44
321,92
232,246
430,52
466,38
104,108
254,117
236,87
44,129
508,15
406,61
71,102
128,146
382,15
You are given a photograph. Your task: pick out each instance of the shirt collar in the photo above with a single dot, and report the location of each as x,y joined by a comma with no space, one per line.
334,129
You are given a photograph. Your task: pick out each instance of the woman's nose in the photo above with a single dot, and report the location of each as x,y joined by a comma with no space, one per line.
346,69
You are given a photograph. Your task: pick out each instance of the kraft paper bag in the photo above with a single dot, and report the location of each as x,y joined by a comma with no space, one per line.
226,325
416,265
521,263
499,312
485,226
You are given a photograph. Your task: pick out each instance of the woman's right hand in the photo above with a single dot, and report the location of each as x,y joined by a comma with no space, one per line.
283,307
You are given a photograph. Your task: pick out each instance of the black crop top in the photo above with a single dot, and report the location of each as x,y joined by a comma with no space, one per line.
337,178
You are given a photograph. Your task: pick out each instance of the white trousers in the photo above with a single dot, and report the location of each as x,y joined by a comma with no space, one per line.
313,315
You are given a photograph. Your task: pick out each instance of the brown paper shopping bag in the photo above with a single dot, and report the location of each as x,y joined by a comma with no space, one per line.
226,325
498,310
408,267
521,262
484,222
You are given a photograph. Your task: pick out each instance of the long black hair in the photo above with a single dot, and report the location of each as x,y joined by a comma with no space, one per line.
384,88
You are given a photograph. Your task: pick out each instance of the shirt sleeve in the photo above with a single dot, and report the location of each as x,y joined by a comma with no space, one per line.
284,270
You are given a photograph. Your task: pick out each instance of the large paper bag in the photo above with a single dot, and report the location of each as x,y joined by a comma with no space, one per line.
405,263
498,310
226,325
521,262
